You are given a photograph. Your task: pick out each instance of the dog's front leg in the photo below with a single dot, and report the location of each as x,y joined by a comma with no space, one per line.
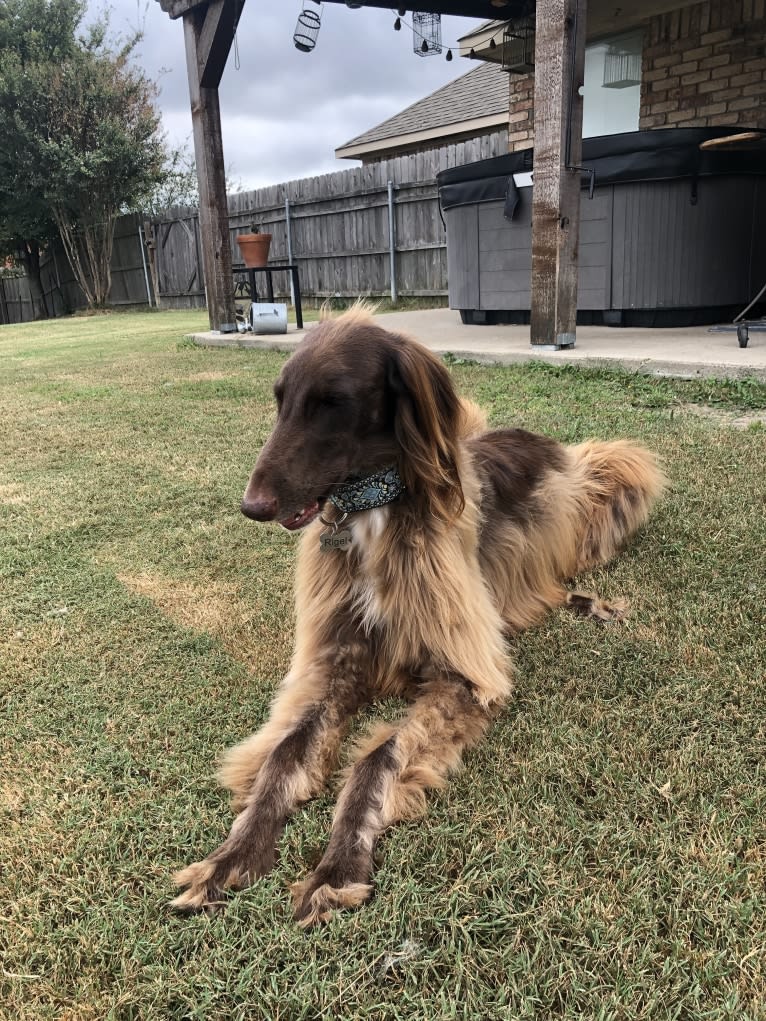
271,773
387,783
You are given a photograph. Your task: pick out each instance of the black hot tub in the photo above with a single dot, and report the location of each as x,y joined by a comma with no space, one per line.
673,235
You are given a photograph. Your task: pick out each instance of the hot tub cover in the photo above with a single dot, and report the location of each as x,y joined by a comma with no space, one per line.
634,156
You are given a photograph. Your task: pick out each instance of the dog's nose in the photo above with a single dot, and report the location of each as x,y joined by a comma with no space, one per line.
259,507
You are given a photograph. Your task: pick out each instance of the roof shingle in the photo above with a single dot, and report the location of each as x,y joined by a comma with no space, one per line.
482,91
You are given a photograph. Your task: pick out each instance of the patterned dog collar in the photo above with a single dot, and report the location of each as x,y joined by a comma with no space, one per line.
373,491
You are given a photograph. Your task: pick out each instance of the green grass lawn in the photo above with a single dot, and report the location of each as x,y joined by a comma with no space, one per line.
602,856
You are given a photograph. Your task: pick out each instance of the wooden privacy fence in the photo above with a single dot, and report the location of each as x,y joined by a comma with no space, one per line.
338,227
353,232
61,292
376,240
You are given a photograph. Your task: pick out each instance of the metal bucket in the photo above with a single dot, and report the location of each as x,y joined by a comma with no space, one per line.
268,317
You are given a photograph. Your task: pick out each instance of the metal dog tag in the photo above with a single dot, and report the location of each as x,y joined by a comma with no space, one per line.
340,539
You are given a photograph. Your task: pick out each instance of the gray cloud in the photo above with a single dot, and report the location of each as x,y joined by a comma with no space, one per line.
284,112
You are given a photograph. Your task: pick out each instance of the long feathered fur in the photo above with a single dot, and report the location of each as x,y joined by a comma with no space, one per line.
491,528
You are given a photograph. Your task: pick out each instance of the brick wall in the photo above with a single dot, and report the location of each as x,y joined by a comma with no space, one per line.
522,112
705,66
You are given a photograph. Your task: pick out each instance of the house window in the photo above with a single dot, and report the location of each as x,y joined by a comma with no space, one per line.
612,92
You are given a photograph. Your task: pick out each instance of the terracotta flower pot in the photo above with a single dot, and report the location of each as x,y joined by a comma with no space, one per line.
254,249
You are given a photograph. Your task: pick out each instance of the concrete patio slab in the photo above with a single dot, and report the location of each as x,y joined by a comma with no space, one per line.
688,353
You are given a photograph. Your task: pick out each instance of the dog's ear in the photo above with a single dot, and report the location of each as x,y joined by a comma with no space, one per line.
427,417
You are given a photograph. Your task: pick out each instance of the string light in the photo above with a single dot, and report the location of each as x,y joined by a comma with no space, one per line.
308,29
424,47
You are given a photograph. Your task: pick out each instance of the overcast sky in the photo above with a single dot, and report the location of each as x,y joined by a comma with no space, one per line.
284,112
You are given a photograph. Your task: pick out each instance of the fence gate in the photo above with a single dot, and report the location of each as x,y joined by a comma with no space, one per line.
179,266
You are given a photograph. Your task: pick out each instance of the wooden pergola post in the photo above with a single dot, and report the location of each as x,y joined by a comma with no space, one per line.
559,71
209,27
209,33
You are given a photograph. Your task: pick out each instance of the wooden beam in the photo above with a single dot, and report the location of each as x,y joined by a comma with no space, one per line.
610,16
604,17
177,8
559,71
208,152
481,9
216,37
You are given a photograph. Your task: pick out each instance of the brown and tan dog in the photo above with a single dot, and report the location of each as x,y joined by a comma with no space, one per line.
426,540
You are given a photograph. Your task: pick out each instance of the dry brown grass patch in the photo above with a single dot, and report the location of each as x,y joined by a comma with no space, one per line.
13,493
205,377
725,416
219,610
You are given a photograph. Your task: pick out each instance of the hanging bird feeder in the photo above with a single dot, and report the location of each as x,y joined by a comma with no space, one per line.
426,33
519,47
307,27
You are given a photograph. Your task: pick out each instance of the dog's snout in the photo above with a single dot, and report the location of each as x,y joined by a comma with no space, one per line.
259,506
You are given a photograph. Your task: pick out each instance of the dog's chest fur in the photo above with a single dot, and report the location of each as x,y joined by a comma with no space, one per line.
370,535
414,590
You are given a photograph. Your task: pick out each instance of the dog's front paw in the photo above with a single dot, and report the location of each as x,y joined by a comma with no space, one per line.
316,898
208,883
589,605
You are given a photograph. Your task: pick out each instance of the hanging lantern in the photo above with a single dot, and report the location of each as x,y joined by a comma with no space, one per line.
426,33
622,67
307,27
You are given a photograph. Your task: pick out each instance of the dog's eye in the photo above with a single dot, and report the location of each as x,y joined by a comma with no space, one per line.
325,401
330,401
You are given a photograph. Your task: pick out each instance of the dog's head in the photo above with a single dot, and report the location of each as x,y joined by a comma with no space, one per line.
352,400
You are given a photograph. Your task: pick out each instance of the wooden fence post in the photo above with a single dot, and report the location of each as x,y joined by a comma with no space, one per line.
150,244
559,70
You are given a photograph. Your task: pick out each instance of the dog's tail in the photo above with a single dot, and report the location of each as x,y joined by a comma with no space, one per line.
620,483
